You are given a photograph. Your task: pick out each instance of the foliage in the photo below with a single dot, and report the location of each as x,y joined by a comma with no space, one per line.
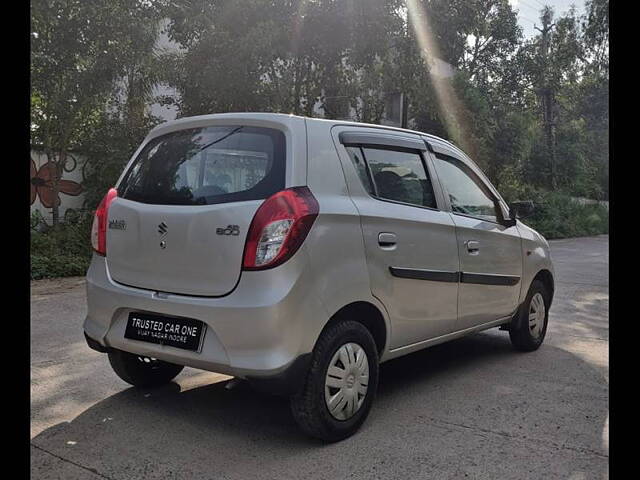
281,56
557,215
79,51
61,250
107,150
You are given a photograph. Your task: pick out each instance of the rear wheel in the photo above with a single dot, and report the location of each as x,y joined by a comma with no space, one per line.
341,383
529,328
141,371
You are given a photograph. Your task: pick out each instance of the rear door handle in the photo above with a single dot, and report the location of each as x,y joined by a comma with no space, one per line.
473,247
386,239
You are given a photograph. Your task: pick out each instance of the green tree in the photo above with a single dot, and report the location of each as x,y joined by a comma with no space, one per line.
77,51
595,25
224,44
551,64
118,129
281,56
592,93
478,38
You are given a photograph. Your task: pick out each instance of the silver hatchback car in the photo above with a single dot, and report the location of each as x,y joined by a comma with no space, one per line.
300,253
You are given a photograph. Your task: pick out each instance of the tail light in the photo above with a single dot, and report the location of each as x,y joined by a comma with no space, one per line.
99,227
279,227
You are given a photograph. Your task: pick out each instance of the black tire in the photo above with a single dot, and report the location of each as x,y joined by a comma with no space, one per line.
520,331
141,371
308,405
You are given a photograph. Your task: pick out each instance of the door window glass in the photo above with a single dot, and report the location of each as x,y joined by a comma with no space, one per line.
467,194
355,153
400,176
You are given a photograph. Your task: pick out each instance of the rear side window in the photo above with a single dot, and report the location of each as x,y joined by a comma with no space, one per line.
357,157
204,166
396,175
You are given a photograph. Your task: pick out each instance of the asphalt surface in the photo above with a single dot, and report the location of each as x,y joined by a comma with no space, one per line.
472,408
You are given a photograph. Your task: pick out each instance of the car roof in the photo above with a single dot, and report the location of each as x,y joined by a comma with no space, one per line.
186,122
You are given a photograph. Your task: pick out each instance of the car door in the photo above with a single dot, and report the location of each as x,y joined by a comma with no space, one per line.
409,239
490,250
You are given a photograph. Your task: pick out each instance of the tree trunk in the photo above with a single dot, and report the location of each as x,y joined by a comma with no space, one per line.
404,111
53,174
550,134
548,97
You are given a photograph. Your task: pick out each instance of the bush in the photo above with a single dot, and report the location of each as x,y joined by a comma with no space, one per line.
557,215
61,251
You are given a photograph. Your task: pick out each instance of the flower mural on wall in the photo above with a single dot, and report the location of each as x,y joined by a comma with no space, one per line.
42,188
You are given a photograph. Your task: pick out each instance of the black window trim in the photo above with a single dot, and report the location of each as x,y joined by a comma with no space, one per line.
380,140
421,153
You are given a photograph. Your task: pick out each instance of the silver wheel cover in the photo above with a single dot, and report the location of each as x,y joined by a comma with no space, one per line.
536,315
346,382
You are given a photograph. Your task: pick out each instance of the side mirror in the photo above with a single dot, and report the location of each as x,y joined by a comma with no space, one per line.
522,209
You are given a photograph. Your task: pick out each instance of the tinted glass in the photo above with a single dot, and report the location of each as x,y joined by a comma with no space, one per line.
208,165
400,176
358,162
467,194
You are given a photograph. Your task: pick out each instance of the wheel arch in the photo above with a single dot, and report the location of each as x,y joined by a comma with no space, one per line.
546,277
369,315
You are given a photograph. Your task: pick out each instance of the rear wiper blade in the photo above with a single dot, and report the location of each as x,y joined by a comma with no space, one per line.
221,138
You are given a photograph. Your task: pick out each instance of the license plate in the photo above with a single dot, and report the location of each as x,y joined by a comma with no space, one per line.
185,333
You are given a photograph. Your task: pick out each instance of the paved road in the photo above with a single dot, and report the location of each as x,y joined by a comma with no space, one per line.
472,408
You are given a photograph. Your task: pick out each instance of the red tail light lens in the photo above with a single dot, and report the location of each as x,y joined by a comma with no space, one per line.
279,227
99,226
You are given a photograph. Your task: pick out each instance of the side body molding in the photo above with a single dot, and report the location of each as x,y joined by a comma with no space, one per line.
462,277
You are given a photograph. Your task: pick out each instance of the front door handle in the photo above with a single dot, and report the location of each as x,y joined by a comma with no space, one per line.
386,239
473,247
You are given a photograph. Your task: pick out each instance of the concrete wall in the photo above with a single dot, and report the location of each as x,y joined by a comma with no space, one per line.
589,201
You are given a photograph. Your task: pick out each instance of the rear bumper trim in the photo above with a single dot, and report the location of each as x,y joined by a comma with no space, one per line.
94,345
288,382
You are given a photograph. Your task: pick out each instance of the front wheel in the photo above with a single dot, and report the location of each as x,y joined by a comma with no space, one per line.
529,328
341,383
141,371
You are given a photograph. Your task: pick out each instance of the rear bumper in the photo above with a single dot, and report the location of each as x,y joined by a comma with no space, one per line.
287,382
261,331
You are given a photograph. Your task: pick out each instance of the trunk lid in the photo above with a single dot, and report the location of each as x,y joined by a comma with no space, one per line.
179,249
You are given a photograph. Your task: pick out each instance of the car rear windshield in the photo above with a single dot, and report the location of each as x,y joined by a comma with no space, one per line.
204,166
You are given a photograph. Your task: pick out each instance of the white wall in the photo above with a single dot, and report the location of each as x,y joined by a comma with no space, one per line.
165,44
66,201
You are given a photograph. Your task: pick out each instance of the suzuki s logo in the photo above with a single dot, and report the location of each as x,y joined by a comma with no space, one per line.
163,228
230,230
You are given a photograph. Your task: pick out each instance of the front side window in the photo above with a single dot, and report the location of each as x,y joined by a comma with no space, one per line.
467,194
400,176
204,166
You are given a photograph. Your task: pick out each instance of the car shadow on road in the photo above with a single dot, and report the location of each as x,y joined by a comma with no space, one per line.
476,392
